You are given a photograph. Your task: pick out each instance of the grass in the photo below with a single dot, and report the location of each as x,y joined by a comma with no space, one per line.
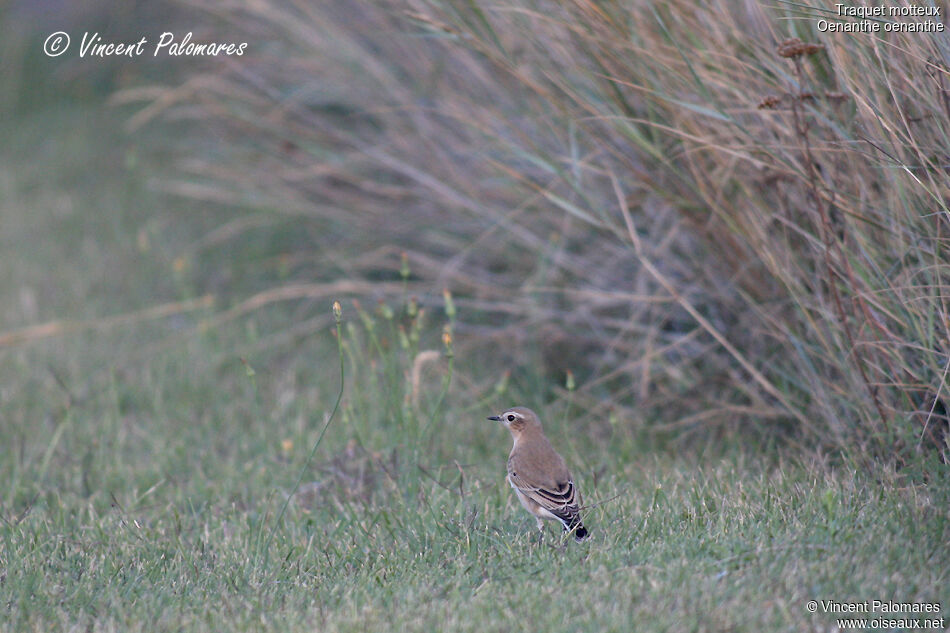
173,542
149,463
717,217
141,491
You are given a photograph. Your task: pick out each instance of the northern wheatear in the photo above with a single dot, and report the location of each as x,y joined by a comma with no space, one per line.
540,477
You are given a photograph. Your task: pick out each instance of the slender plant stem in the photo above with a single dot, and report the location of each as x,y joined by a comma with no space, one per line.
337,314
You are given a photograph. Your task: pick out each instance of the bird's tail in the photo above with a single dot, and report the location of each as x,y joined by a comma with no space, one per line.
575,526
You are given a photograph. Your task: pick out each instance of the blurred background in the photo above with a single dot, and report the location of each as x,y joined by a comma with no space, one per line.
744,238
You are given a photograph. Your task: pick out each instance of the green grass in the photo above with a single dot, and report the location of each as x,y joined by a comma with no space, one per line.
686,545
140,488
144,464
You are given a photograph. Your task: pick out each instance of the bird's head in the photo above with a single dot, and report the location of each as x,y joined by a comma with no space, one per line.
518,420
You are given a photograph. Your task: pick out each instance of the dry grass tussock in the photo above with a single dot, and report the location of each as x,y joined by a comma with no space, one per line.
712,222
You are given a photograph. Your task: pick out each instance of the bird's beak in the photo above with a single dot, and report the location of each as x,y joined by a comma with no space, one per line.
495,418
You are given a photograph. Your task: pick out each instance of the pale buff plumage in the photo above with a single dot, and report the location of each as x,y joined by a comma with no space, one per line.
539,476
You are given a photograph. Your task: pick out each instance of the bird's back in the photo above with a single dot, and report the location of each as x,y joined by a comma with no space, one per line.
538,464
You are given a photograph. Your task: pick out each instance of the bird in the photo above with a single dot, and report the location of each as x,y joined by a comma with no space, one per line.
539,475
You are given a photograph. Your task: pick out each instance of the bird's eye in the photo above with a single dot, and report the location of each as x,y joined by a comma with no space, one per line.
511,418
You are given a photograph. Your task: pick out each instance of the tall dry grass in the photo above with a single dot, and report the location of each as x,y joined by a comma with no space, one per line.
713,228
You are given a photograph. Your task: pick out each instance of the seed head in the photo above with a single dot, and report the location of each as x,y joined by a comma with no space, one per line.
796,48
449,304
447,341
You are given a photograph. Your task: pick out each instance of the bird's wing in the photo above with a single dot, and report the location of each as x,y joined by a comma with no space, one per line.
557,495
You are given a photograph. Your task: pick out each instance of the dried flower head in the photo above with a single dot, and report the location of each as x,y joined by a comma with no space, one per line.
796,48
